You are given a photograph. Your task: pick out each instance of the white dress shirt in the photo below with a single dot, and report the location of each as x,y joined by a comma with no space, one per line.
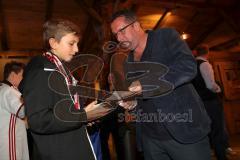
208,75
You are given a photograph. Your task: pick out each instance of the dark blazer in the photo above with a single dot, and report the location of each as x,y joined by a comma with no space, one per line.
53,137
191,122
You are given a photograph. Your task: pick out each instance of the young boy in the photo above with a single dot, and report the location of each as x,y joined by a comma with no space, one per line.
48,110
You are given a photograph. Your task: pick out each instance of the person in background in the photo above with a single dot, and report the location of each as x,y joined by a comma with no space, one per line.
116,125
163,138
57,120
13,136
208,90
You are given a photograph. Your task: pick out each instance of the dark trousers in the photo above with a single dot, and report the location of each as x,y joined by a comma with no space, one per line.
110,126
172,150
124,136
121,135
218,133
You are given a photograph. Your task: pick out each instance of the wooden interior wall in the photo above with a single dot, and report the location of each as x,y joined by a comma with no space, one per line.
227,73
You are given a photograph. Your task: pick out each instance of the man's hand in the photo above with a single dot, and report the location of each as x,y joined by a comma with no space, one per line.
135,87
129,105
95,111
216,89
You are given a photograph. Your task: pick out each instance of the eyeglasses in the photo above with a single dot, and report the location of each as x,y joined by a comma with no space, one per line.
122,30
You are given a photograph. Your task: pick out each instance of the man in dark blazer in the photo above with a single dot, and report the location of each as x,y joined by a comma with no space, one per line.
172,124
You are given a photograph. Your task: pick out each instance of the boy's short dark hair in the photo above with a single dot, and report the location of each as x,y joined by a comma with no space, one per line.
57,29
12,66
128,14
202,49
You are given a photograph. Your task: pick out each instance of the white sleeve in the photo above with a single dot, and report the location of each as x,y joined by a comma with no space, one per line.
14,103
208,76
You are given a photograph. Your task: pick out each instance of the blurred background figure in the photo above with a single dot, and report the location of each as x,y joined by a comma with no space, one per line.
13,136
208,90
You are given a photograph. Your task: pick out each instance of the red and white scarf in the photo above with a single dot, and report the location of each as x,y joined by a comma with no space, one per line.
70,80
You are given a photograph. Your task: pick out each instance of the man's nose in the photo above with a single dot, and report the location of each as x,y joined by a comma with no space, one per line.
120,37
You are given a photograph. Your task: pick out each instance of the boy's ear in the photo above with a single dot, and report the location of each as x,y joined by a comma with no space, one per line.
52,42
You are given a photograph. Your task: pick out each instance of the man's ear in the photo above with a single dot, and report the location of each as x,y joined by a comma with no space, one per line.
52,42
137,25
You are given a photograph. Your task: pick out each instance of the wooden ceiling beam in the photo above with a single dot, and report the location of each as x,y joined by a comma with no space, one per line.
134,7
90,11
227,44
186,28
3,30
205,34
49,9
123,4
85,36
182,3
161,19
29,52
229,21
116,5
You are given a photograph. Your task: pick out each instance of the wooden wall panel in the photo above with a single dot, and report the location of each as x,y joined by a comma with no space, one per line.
227,72
232,116
24,21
